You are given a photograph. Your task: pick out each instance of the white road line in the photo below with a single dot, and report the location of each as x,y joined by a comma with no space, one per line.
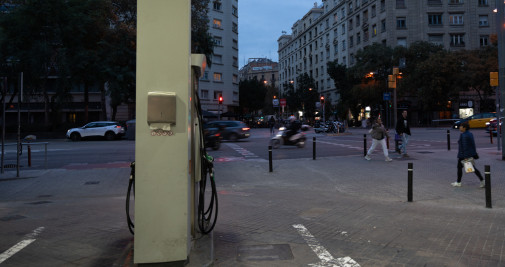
326,258
20,245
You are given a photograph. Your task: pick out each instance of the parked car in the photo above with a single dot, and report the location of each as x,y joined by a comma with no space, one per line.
477,120
110,130
491,126
230,130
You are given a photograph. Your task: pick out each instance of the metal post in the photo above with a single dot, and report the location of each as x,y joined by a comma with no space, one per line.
487,173
270,167
497,119
500,30
491,135
410,182
448,140
19,123
29,156
314,148
4,90
364,145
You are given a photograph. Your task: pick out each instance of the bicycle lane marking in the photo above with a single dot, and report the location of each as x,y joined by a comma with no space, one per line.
326,258
30,238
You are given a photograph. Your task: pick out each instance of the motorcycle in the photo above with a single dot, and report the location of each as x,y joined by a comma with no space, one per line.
281,138
330,127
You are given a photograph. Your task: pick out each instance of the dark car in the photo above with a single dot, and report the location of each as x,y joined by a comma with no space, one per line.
230,130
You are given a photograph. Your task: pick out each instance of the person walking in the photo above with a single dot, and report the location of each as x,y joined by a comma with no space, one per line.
467,152
379,134
403,129
271,124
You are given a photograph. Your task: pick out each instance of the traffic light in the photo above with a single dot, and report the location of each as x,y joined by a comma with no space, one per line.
322,100
220,99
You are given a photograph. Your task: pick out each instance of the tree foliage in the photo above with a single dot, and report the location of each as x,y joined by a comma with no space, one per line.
252,95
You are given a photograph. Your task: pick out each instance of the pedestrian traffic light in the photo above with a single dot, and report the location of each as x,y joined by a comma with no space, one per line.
220,99
322,99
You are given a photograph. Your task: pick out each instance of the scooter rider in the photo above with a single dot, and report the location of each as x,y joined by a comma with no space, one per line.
293,127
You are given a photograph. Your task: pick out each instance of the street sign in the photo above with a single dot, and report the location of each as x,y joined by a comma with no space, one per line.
283,102
386,96
275,102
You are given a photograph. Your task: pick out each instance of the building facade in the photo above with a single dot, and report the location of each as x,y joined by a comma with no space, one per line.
337,29
261,69
222,77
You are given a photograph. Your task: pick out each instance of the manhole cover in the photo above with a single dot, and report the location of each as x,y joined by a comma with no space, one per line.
92,182
264,253
12,218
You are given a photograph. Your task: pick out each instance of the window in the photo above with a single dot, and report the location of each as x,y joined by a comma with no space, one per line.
383,5
365,16
400,4
343,45
218,41
335,48
217,94
235,44
205,76
374,11
234,11
218,77
401,23
365,34
234,27
235,62
358,38
435,19
217,23
350,8
343,13
456,1
402,41
374,30
434,2
437,39
383,25
217,5
351,41
218,59
335,17
235,96
350,24
456,19
457,39
343,28
483,21
483,3
204,94
235,78
358,21
484,40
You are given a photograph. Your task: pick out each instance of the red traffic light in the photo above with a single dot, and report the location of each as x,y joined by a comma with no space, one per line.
220,99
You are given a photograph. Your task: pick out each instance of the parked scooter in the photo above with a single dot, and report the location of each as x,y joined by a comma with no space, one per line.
330,127
297,139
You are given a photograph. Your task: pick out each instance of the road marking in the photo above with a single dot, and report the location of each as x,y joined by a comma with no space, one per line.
242,151
326,258
30,238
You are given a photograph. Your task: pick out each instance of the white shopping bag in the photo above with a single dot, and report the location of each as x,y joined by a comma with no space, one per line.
468,166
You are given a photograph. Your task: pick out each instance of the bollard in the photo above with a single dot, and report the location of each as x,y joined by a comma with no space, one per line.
448,140
491,135
410,182
314,148
270,158
364,145
487,172
29,156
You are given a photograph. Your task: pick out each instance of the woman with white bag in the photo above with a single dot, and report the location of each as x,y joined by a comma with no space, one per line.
466,154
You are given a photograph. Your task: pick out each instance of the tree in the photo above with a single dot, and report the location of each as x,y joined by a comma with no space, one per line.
304,97
201,41
252,95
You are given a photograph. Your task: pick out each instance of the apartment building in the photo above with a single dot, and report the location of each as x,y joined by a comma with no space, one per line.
336,29
222,77
261,69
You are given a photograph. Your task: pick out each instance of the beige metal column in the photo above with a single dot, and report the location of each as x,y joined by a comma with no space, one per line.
162,187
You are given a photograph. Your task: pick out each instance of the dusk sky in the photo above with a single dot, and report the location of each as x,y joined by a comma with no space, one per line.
261,22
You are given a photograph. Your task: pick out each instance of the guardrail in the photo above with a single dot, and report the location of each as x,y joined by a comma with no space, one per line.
28,145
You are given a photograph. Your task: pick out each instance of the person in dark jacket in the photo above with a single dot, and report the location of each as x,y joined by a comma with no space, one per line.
271,124
403,129
466,150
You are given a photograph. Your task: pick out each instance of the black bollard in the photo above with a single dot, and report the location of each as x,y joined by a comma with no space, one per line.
487,172
410,182
314,148
364,145
270,158
448,140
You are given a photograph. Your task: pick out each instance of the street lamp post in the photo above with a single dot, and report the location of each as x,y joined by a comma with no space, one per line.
392,84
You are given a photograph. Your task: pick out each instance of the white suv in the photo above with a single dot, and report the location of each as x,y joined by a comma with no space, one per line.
108,129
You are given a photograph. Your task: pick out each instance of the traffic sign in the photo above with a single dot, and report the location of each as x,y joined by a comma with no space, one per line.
283,102
386,96
275,102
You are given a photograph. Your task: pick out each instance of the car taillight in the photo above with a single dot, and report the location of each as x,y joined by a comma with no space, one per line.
245,129
218,134
118,126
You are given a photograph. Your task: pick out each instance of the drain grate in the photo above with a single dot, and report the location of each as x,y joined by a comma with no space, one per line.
92,182
12,218
39,202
